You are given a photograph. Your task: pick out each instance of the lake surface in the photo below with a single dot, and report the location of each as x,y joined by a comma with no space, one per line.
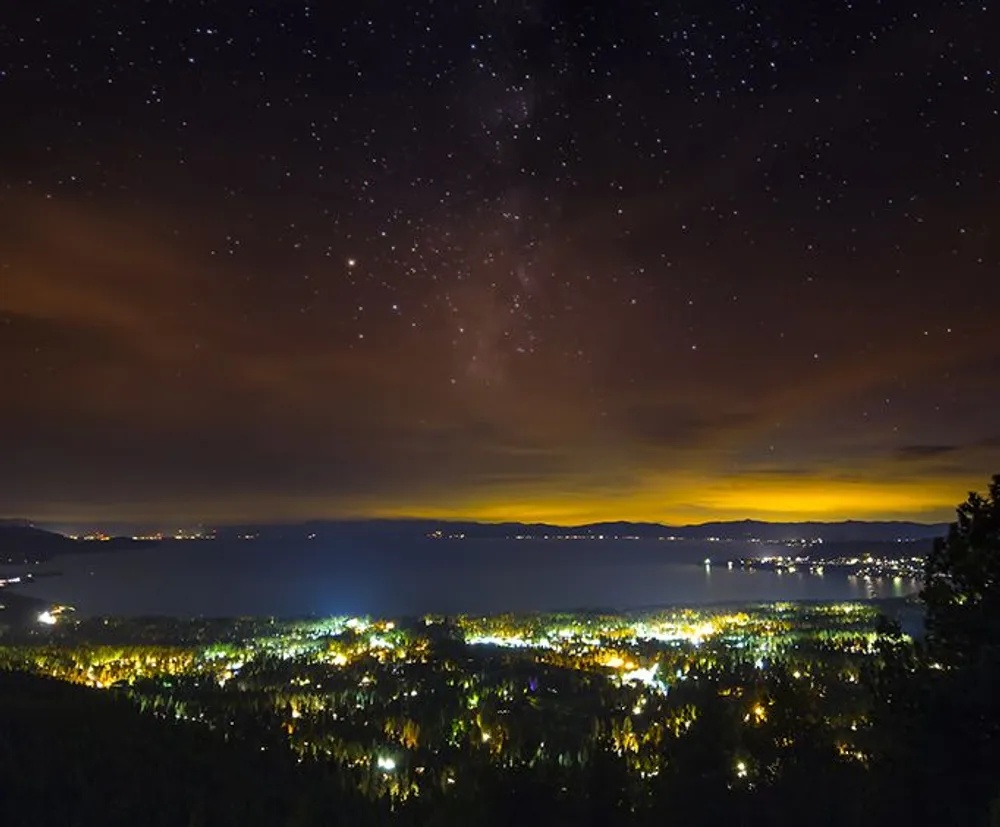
223,578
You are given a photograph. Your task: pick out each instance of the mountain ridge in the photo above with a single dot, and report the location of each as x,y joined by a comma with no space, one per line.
22,539
836,531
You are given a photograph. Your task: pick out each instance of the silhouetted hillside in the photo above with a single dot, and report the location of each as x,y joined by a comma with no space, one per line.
21,542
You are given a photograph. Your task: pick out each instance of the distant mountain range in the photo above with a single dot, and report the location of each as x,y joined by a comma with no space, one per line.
746,530
20,541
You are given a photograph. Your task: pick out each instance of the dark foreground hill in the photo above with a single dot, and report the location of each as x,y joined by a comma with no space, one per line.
73,756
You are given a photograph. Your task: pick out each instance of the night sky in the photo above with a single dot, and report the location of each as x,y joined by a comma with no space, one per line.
551,259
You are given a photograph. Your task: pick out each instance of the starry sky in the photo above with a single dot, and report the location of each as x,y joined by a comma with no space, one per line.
513,259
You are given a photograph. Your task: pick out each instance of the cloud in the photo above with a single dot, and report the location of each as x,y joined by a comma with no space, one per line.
909,453
663,425
147,380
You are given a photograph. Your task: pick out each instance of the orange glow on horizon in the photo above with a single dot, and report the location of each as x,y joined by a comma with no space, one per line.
680,500
797,500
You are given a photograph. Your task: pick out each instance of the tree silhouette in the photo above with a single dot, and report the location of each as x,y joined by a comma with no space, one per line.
962,583
940,718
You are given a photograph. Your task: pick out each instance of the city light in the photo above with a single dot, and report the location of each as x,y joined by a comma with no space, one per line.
327,682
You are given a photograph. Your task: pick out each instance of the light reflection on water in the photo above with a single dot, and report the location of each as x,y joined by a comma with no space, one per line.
272,578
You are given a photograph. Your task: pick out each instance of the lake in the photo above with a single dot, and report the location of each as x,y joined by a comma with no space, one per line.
227,578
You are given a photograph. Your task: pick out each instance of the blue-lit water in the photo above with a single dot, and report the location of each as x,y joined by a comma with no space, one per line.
476,576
